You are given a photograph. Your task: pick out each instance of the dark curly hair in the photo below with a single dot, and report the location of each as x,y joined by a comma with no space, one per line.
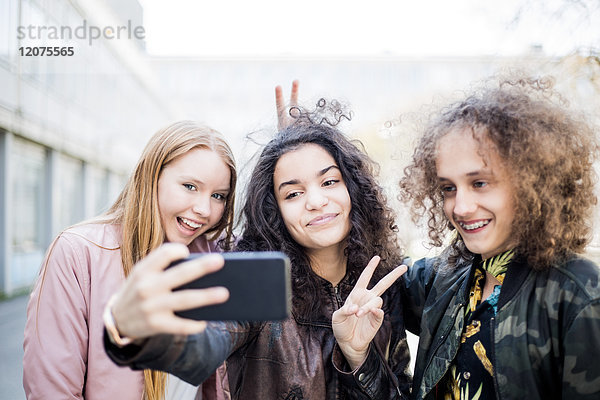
373,230
549,154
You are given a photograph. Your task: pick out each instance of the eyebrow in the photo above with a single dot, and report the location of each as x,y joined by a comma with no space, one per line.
296,181
201,183
472,173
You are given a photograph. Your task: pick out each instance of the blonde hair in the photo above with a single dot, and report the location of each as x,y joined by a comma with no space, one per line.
136,208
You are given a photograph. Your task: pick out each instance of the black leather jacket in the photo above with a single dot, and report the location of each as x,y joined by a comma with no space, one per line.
292,359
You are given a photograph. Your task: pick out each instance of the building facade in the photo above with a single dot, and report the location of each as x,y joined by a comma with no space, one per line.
71,127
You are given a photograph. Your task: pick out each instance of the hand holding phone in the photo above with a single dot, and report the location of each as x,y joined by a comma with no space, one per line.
145,303
258,284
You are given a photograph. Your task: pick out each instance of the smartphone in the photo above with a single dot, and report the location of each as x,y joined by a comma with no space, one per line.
258,284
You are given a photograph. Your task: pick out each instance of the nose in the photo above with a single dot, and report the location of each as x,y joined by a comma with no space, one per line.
464,203
316,199
201,205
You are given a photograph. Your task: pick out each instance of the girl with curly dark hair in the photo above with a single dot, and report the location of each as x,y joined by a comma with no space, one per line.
510,309
370,228
313,196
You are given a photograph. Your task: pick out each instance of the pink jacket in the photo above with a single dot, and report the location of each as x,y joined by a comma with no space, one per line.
64,354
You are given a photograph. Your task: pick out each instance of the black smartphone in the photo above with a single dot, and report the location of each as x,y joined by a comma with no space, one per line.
258,284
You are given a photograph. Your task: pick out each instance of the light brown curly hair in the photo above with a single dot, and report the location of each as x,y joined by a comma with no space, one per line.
549,154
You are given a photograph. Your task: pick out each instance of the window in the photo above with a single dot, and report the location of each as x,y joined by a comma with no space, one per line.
27,217
69,180
97,181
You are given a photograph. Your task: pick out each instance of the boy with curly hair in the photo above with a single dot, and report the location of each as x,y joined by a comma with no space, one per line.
510,309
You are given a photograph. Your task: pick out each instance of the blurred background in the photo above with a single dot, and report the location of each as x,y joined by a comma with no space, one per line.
72,126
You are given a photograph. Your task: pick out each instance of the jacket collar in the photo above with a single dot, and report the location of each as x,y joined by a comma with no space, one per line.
330,299
517,273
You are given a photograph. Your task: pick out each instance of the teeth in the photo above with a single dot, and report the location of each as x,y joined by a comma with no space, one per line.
191,224
474,225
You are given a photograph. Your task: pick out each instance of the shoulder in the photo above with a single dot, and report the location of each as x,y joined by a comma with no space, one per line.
80,244
107,236
432,268
580,275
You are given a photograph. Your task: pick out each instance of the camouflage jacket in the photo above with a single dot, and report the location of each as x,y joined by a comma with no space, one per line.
546,333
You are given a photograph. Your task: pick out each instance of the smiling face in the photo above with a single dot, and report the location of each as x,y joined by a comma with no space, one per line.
192,193
313,198
478,195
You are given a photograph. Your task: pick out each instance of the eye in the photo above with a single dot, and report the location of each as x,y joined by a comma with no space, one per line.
189,186
330,182
292,195
447,190
219,196
479,184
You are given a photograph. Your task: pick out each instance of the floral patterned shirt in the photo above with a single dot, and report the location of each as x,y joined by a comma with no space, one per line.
470,376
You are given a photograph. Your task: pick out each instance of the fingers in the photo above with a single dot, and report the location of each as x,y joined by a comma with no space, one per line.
194,298
145,303
374,304
294,95
347,309
388,280
365,276
193,269
377,314
281,108
279,102
283,119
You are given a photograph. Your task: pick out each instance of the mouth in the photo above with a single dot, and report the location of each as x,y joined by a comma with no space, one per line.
473,226
189,224
321,219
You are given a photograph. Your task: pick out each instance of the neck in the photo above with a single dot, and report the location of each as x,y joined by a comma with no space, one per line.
329,264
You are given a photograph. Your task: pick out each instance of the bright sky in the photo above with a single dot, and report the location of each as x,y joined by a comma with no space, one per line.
357,27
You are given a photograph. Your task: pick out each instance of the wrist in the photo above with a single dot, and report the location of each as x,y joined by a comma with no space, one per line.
111,327
355,358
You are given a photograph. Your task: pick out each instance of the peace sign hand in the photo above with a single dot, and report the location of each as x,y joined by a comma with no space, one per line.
358,320
283,115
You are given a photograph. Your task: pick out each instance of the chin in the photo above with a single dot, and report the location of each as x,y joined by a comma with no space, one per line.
475,249
184,241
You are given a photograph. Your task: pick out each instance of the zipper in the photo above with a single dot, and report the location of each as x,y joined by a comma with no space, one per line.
338,298
338,301
493,350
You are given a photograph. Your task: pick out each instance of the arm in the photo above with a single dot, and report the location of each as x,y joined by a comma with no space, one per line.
192,358
143,311
56,333
581,371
